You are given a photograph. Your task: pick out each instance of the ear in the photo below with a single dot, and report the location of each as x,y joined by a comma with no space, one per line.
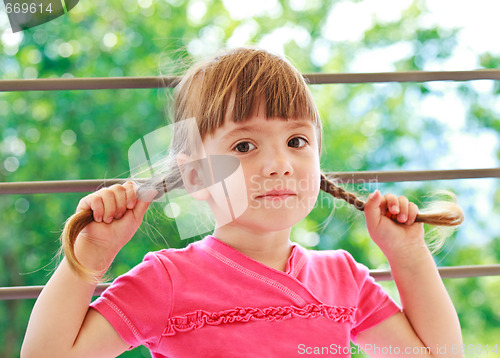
192,176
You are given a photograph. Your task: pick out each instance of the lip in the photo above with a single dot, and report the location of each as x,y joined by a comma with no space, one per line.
277,193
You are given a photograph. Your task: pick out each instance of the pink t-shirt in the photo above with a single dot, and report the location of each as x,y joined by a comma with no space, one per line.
209,300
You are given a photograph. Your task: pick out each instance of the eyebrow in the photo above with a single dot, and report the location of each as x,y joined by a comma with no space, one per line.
294,124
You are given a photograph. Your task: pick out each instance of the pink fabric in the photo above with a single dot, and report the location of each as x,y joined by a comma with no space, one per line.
210,300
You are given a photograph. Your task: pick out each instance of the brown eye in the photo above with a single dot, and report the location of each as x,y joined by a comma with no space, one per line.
244,147
297,142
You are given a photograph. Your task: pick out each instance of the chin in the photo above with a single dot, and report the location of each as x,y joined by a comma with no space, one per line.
279,222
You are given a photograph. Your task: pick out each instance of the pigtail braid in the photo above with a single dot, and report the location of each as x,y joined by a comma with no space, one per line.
340,193
439,213
72,227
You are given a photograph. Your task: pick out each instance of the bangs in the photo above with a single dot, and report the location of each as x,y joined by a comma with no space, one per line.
235,83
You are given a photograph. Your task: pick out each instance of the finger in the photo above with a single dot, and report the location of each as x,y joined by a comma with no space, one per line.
109,201
146,197
83,204
383,206
120,199
131,194
412,213
403,209
392,203
92,202
373,207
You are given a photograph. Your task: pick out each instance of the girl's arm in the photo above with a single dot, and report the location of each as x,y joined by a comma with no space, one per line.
61,323
429,319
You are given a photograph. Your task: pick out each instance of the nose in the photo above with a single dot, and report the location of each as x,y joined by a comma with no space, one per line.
277,163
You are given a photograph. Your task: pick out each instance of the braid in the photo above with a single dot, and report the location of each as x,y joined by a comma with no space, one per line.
340,193
440,213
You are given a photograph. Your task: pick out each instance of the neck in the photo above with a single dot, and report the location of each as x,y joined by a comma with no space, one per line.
269,248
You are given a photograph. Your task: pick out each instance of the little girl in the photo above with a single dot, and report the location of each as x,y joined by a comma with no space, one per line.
246,290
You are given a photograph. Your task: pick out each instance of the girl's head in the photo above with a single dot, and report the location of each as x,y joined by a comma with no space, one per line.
267,100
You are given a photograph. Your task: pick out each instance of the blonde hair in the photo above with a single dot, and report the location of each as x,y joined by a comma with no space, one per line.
243,77
237,81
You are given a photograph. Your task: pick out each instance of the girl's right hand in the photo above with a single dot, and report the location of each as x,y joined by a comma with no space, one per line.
117,213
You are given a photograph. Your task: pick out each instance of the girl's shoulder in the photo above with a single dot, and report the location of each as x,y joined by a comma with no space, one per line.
192,258
185,254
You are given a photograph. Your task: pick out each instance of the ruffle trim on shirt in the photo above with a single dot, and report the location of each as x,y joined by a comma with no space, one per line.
200,318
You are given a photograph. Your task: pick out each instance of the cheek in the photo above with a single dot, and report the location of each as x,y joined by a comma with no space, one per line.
250,170
309,179
315,185
314,177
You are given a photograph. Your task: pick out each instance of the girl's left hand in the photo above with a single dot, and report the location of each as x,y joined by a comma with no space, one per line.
393,235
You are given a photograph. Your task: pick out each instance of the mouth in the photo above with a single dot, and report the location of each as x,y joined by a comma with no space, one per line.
277,194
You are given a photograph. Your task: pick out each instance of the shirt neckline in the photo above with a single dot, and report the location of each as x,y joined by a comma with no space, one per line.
293,266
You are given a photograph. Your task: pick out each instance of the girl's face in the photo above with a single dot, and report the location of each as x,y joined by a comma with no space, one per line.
280,162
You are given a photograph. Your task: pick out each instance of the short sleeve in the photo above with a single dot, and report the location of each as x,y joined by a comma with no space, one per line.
374,304
138,303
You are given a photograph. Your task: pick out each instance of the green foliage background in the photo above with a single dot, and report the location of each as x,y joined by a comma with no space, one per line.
61,135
